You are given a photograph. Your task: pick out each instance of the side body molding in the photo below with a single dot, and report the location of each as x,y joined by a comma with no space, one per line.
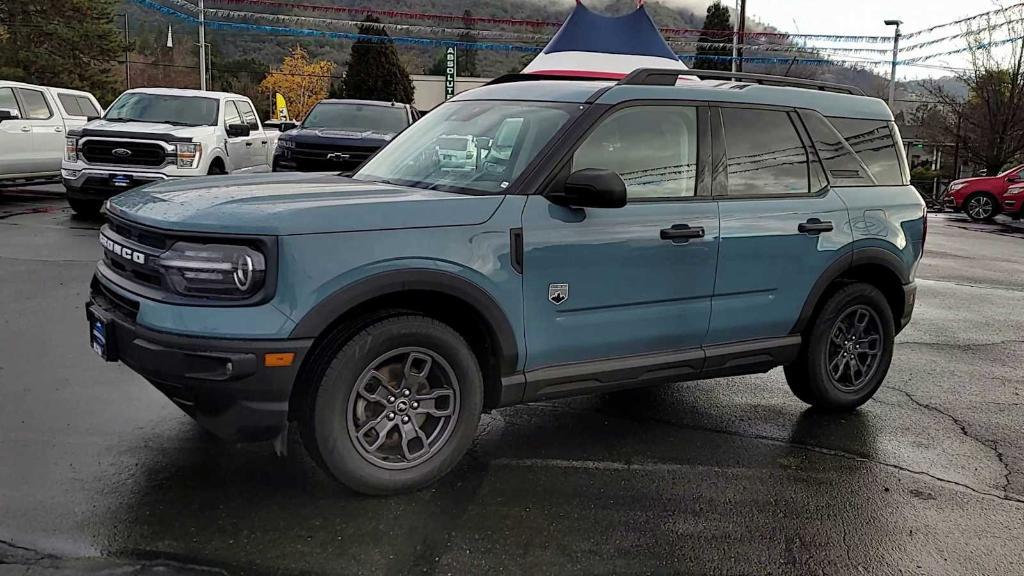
421,279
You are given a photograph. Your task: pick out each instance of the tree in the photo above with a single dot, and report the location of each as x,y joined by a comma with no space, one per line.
988,124
243,77
67,43
466,64
301,81
715,43
374,71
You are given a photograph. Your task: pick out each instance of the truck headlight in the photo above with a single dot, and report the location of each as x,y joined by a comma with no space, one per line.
71,149
188,154
220,271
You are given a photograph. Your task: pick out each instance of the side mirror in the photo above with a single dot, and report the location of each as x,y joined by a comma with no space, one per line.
591,188
9,114
483,143
238,130
286,126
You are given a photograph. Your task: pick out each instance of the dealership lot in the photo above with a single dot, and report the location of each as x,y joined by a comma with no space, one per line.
731,476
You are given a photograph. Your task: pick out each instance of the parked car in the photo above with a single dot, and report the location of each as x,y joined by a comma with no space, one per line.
982,198
152,134
636,233
33,123
339,135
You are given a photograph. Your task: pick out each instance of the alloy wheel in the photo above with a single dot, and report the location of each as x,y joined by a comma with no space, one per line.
854,349
980,207
403,408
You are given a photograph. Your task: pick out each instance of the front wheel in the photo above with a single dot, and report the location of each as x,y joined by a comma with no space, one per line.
847,352
981,207
397,407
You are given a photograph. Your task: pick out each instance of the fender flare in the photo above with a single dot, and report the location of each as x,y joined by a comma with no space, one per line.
859,257
421,279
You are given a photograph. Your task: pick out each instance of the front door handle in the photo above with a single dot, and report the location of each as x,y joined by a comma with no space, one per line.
248,144
814,226
682,232
26,128
58,129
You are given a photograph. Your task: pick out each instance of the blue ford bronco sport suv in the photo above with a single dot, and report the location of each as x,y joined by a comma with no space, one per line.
604,236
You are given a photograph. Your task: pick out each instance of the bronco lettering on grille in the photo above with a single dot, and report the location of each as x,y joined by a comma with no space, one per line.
126,253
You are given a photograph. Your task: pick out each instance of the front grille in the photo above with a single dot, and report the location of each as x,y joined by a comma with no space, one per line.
139,241
140,235
138,153
314,156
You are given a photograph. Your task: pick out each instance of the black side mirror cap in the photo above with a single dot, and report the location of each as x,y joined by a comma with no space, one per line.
286,126
238,130
591,188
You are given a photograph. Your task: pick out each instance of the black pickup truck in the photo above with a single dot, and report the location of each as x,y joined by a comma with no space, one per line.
339,135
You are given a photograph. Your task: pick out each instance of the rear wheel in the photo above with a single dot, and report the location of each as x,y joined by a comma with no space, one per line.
397,407
981,207
847,352
85,207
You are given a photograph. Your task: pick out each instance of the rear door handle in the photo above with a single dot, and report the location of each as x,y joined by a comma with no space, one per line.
248,143
682,232
26,128
814,226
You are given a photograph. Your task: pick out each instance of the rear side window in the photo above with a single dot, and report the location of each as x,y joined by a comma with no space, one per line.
36,107
840,162
873,142
7,100
765,153
88,108
653,149
70,104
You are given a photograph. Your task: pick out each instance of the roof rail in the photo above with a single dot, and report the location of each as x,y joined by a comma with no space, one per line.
668,77
508,78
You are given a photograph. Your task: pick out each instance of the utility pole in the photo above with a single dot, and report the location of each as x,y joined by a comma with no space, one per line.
895,57
127,56
742,35
202,46
735,32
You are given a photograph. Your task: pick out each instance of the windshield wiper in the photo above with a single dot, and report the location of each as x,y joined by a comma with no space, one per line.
172,122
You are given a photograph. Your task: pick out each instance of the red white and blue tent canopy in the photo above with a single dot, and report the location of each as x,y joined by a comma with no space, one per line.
591,45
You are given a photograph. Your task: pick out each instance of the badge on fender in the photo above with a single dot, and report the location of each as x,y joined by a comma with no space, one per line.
558,293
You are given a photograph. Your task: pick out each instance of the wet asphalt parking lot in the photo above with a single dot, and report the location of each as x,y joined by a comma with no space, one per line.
98,471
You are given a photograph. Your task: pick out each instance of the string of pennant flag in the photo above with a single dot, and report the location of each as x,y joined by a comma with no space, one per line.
407,34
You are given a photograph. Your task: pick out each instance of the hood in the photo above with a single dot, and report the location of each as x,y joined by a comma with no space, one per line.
293,203
109,128
330,135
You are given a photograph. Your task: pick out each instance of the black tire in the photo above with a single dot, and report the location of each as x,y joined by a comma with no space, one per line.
330,427
215,170
85,207
809,377
981,207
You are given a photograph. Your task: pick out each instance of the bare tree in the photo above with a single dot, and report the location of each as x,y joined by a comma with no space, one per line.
989,123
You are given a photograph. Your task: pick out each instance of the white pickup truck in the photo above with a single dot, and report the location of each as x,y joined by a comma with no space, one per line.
152,134
33,123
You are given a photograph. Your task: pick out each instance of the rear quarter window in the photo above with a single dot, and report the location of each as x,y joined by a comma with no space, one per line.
874,143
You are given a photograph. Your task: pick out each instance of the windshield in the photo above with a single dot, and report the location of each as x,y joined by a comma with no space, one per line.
472,146
358,118
1010,171
164,109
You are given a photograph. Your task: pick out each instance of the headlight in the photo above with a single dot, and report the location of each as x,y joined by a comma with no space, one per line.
286,143
956,186
71,149
188,154
214,270
1014,191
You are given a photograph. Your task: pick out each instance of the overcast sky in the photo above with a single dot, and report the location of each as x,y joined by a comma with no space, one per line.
863,17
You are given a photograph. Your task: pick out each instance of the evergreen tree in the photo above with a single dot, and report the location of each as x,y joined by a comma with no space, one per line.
67,43
374,70
716,40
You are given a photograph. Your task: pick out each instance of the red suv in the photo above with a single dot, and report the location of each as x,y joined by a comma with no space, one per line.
983,198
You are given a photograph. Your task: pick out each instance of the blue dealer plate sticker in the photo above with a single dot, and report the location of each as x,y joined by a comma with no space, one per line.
121,180
98,338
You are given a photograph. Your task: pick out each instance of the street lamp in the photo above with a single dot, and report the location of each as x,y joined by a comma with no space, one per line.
895,56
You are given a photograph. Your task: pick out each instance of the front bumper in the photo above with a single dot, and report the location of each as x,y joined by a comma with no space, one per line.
909,300
223,384
103,183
